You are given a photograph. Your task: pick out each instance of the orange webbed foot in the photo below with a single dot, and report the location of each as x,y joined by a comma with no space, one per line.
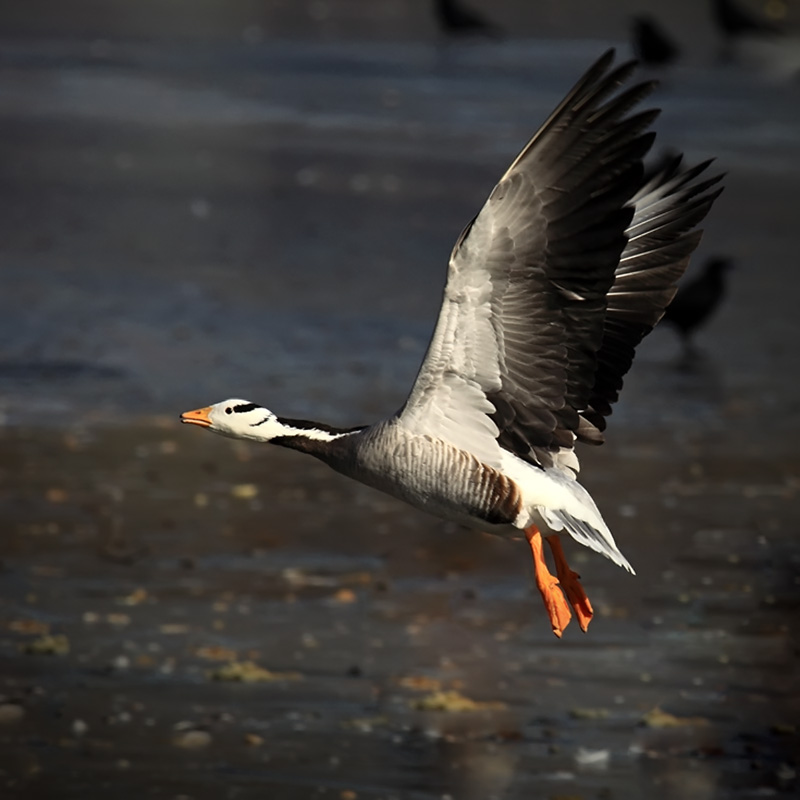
547,584
570,582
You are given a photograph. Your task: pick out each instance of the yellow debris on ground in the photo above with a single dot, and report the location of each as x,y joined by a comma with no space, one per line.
57,645
661,719
250,672
453,702
244,491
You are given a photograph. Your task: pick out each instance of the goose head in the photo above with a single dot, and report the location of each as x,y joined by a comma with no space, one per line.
239,419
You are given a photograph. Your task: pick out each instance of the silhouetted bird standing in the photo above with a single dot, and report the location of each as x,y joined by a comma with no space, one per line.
456,20
697,300
651,43
734,21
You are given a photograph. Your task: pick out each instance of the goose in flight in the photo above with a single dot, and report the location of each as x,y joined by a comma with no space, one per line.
567,266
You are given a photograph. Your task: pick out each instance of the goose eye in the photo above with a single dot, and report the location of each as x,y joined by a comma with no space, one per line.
229,410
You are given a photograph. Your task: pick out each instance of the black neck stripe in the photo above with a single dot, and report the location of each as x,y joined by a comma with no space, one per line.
304,424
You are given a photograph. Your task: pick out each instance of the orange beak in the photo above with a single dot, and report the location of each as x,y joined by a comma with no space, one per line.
198,417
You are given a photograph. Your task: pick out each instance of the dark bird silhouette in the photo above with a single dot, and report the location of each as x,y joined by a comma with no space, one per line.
651,43
696,301
734,21
455,20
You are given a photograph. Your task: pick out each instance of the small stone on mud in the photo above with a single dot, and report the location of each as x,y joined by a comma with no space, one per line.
173,628
597,759
420,683
344,597
29,627
365,724
56,495
192,739
135,598
589,713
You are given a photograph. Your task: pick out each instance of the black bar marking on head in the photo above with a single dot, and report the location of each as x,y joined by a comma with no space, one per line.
244,408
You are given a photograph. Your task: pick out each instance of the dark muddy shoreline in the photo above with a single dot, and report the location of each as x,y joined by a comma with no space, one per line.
161,557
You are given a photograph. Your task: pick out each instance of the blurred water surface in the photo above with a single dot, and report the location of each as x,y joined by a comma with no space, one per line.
250,217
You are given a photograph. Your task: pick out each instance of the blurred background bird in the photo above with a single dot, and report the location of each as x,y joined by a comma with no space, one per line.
696,301
456,20
652,45
733,20
757,41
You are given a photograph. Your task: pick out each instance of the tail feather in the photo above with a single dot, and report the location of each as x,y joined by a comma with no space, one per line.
586,534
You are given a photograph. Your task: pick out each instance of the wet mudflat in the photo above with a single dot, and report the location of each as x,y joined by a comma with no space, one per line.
185,616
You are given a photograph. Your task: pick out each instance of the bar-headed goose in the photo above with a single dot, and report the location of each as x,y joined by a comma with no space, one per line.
569,263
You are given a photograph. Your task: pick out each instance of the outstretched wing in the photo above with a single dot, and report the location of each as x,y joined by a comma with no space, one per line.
661,238
513,357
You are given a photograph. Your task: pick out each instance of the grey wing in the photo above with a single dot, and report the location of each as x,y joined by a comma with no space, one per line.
513,356
661,239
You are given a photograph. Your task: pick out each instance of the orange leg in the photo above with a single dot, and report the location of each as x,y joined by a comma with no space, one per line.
547,584
571,584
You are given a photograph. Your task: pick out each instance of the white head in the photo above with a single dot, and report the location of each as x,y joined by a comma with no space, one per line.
239,419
